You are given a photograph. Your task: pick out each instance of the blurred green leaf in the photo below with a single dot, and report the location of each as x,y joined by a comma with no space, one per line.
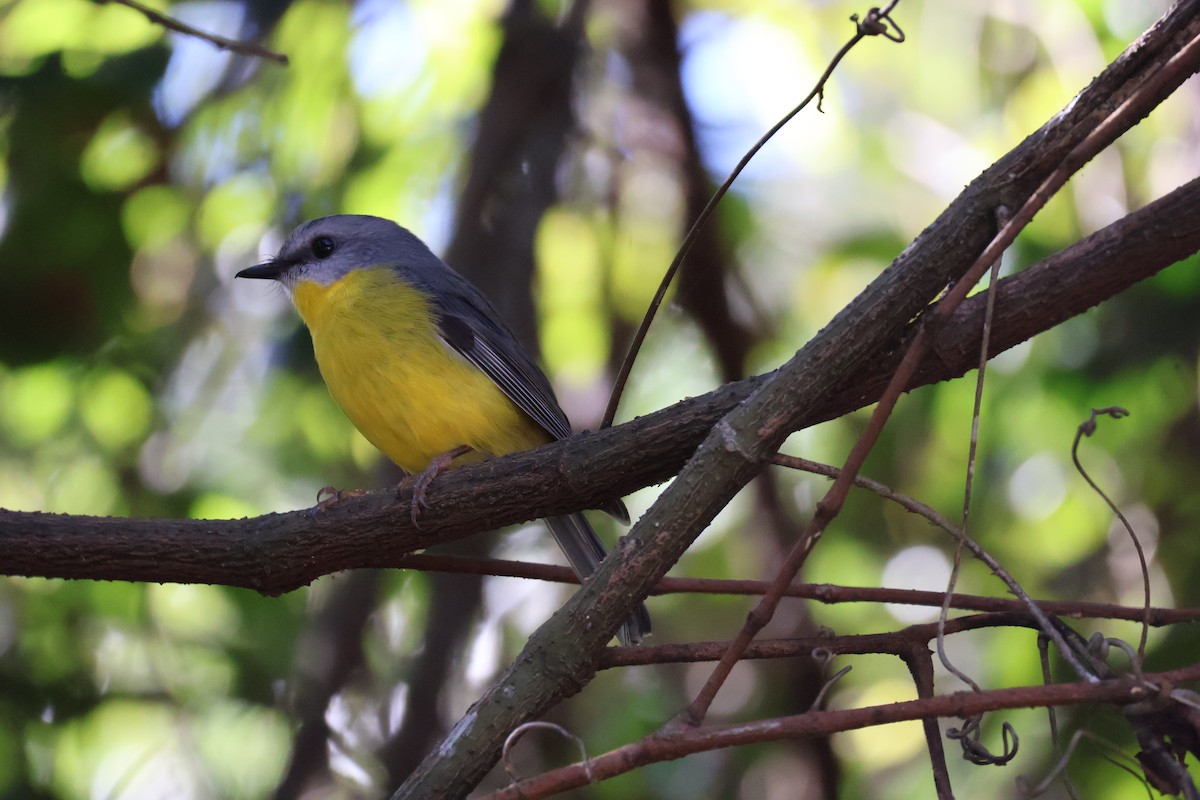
118,155
36,403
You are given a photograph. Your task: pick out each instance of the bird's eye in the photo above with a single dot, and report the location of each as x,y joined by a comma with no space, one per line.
323,246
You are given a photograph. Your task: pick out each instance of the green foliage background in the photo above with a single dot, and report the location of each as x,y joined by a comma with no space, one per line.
139,171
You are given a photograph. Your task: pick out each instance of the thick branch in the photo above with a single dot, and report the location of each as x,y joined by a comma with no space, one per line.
281,552
561,656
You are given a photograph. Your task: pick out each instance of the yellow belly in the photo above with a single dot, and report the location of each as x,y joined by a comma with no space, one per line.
409,394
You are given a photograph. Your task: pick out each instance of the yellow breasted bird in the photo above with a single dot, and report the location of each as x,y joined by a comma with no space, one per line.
420,361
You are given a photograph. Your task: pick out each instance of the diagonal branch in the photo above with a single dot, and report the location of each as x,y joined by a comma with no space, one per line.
561,656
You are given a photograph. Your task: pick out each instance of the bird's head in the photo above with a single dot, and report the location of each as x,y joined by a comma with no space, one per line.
328,249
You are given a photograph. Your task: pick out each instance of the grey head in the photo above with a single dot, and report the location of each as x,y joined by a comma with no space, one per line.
325,250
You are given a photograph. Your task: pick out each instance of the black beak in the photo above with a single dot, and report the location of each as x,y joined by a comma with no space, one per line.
270,270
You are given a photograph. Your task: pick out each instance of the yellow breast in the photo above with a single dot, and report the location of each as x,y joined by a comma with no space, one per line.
408,393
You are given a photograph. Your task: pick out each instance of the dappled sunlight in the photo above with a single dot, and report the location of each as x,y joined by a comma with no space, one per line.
141,169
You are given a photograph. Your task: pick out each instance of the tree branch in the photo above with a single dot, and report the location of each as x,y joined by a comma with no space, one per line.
561,656
277,553
220,42
829,594
666,747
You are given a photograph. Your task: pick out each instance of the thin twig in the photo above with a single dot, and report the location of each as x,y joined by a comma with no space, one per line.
1087,428
898,643
1060,767
875,25
1043,645
669,745
172,24
973,748
547,726
827,509
969,483
830,594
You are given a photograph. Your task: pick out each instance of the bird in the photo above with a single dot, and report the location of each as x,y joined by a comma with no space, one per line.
422,363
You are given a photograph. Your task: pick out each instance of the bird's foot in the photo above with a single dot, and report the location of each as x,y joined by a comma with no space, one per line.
329,496
421,481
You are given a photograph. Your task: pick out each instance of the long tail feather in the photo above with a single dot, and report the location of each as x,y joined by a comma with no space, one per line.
584,551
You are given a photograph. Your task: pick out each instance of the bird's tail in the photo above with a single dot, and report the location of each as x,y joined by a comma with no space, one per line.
584,551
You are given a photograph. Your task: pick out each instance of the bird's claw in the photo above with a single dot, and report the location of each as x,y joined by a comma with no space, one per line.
419,503
421,481
420,485
329,496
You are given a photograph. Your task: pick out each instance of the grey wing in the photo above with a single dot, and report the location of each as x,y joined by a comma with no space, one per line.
471,326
